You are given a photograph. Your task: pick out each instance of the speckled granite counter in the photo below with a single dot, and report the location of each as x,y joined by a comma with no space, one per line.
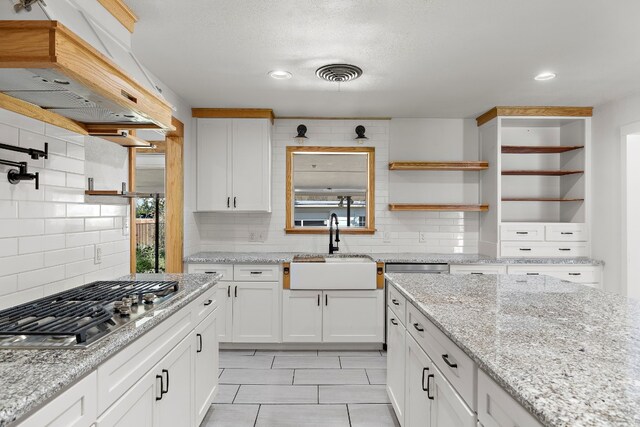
568,353
31,378
280,257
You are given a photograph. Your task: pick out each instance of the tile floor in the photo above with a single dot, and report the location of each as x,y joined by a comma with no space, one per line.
301,388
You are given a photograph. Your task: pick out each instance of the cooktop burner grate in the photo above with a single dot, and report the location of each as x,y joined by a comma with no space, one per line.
74,312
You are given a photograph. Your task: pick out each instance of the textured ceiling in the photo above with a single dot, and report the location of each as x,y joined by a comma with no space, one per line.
421,58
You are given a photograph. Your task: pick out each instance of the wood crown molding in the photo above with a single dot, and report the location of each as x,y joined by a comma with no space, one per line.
534,111
121,12
233,113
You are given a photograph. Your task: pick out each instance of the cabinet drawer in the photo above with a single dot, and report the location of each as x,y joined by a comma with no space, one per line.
576,274
457,367
528,232
205,304
397,303
566,233
226,270
256,273
543,249
497,409
478,269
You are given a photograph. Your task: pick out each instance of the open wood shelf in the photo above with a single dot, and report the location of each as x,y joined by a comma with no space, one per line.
441,208
524,149
539,199
541,172
439,166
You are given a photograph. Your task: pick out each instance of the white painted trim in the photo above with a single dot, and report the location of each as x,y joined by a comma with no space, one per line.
625,132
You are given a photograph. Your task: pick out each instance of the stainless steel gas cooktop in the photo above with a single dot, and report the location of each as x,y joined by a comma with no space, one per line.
80,317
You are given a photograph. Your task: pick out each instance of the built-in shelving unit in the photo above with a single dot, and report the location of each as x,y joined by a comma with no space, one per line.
528,149
538,182
541,172
437,208
439,166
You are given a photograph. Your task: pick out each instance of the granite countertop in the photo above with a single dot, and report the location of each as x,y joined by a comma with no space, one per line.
31,378
280,257
568,353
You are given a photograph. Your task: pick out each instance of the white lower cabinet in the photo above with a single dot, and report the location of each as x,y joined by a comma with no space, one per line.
447,407
136,408
76,407
175,390
497,409
396,363
256,312
417,408
206,365
302,316
225,312
476,269
333,316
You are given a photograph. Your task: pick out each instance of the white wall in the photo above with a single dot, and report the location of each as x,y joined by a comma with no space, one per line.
632,224
444,232
47,236
607,196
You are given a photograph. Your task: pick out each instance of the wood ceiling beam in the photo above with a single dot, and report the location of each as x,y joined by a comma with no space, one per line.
121,12
233,113
534,111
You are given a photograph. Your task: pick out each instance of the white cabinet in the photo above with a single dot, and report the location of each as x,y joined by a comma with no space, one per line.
396,363
206,365
75,407
353,316
477,269
302,316
256,312
233,165
333,316
448,408
586,274
136,408
417,400
175,393
497,409
225,312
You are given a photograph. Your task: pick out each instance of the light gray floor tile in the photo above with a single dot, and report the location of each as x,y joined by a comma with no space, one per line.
364,362
266,394
330,376
302,362
350,353
257,376
303,415
377,376
231,416
373,416
226,393
286,352
251,362
352,394
238,352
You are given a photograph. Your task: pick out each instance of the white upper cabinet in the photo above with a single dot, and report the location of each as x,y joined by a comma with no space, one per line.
234,165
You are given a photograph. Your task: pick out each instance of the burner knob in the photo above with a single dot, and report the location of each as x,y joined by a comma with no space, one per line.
125,311
118,305
134,299
126,301
149,298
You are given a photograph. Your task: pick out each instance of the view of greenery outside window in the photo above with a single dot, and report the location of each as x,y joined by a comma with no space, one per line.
145,235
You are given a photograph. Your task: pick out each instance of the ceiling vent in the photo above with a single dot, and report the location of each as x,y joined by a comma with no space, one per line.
339,73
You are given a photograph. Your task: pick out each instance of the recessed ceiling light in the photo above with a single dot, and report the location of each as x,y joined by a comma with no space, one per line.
280,74
545,76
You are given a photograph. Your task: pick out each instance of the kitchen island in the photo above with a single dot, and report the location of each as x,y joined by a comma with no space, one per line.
567,353
32,379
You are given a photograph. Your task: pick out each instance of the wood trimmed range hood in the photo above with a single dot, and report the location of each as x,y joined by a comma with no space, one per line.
44,65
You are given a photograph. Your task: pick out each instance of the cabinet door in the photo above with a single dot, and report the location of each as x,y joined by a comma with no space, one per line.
395,364
302,316
213,162
353,316
136,407
448,408
206,365
256,312
418,367
175,407
225,312
251,165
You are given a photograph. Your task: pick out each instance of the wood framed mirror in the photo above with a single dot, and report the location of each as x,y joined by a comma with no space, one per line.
326,180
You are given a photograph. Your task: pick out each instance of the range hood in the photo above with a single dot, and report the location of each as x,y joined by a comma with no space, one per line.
44,63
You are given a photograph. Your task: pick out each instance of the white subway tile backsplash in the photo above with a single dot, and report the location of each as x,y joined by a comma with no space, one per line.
47,236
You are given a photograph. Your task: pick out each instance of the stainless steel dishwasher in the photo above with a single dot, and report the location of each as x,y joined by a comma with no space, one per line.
416,268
